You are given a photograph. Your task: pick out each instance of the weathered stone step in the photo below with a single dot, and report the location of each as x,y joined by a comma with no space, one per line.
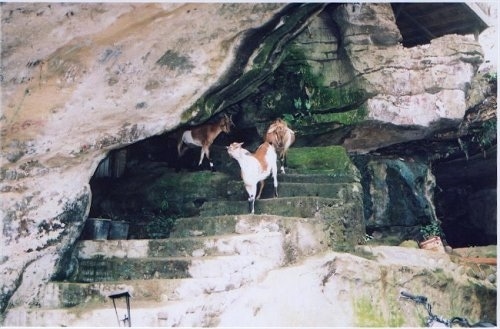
100,269
96,294
317,176
236,190
218,278
219,245
204,226
304,207
241,224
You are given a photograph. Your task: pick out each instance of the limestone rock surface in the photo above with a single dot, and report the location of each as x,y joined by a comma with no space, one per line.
79,80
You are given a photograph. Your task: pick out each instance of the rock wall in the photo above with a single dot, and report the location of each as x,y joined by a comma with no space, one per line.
398,196
79,80
412,86
349,68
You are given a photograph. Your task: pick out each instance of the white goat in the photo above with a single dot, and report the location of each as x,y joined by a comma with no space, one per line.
281,137
255,168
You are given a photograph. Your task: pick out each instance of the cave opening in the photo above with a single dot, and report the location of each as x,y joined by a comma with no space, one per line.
420,23
466,199
127,186
143,183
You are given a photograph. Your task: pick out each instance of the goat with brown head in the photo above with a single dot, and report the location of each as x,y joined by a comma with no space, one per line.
281,137
203,136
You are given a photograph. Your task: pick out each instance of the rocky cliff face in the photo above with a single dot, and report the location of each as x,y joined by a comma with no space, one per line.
79,80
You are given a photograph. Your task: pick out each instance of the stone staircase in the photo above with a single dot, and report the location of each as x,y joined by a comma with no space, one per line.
219,251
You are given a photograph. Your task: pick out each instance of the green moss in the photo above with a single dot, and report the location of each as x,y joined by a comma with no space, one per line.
319,158
409,244
269,55
371,313
174,188
308,98
367,315
348,118
396,318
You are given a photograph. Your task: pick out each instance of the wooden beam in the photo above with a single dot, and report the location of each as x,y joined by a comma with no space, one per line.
419,25
480,260
474,8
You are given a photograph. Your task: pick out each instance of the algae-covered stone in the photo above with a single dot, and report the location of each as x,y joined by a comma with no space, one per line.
328,158
409,244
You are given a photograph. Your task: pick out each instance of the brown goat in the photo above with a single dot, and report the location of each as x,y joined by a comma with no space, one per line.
203,136
281,137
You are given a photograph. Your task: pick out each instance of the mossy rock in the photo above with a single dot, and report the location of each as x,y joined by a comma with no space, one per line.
326,158
188,186
409,244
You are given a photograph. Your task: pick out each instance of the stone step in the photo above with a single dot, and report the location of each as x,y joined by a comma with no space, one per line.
316,176
196,237
236,189
254,238
204,226
219,245
241,224
265,243
100,269
65,304
96,294
304,207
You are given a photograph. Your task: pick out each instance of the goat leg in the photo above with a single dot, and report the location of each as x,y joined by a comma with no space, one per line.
262,182
251,204
283,164
181,148
205,151
274,172
251,189
202,154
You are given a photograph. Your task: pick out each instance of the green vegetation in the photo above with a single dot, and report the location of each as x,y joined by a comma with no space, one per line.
396,319
486,136
304,97
161,222
431,230
282,82
268,56
375,313
319,158
366,315
491,76
160,226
